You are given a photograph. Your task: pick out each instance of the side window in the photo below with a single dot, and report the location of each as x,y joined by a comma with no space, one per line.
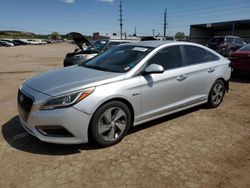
229,39
196,55
168,58
111,45
238,41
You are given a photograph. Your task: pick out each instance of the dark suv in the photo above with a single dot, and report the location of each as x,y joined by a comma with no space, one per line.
226,44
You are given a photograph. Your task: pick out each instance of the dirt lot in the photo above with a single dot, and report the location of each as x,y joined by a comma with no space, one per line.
195,148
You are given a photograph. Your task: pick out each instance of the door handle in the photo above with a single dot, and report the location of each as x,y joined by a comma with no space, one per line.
210,70
181,77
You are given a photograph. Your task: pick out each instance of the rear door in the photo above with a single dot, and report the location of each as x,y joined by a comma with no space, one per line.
201,67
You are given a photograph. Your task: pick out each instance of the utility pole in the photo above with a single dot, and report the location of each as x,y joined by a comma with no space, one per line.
120,18
165,23
135,33
153,32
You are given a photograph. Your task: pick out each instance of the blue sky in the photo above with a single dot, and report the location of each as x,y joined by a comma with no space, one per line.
88,16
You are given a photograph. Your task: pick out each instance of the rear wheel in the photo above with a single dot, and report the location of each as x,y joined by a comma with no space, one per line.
110,123
216,94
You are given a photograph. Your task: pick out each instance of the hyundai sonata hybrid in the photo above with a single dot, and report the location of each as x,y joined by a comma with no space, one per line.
125,86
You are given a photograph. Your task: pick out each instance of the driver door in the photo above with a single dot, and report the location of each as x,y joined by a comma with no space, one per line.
163,92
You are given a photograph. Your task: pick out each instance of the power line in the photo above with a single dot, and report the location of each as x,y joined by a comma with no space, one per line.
210,10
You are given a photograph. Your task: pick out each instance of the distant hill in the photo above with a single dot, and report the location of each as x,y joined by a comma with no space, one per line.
20,34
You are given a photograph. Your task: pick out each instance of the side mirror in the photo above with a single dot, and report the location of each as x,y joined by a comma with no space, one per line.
153,69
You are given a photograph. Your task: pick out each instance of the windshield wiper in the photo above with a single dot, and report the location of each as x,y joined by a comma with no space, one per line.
97,68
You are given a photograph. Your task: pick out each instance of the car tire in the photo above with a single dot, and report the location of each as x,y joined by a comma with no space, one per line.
110,123
216,94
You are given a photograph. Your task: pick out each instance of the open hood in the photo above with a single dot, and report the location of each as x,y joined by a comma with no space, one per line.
79,39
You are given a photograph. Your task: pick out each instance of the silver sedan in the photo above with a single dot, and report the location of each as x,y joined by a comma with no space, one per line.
122,87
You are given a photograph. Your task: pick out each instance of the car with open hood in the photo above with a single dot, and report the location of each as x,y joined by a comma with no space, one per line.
81,54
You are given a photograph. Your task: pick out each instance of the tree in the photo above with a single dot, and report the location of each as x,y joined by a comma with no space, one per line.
180,36
55,35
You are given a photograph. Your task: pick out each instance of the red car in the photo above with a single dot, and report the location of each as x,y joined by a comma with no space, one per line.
241,59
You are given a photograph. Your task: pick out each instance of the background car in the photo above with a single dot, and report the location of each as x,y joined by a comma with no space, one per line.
125,86
7,44
225,45
18,42
82,55
241,60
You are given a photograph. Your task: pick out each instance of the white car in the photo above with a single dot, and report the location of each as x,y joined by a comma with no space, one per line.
5,43
122,87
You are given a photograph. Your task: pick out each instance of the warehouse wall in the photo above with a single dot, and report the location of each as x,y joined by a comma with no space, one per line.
200,35
203,35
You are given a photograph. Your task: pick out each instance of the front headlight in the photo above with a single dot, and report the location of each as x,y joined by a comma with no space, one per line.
66,100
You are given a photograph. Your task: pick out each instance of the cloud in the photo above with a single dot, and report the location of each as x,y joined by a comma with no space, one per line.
68,1
107,1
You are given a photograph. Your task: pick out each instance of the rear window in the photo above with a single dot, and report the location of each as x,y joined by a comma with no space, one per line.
196,55
245,48
238,41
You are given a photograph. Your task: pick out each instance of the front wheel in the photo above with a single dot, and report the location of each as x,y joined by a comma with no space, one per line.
110,123
216,94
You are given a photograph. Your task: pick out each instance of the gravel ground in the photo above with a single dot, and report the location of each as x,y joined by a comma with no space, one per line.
195,148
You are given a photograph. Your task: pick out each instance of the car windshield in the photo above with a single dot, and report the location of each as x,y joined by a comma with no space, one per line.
217,40
98,45
118,59
245,48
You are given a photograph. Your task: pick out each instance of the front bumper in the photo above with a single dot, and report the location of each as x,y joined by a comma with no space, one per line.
71,119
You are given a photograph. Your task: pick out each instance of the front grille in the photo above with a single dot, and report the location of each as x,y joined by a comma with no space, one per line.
25,103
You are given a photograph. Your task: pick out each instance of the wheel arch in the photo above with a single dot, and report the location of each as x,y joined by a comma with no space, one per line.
225,82
120,99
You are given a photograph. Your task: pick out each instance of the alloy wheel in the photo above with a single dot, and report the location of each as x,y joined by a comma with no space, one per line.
217,93
112,124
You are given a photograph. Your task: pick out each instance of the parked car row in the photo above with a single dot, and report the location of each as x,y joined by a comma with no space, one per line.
236,49
18,42
225,45
6,44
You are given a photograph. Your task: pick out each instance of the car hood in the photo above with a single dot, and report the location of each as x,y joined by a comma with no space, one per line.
241,53
59,81
79,39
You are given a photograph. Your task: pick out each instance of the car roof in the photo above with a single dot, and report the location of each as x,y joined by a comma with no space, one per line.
122,40
152,43
226,36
